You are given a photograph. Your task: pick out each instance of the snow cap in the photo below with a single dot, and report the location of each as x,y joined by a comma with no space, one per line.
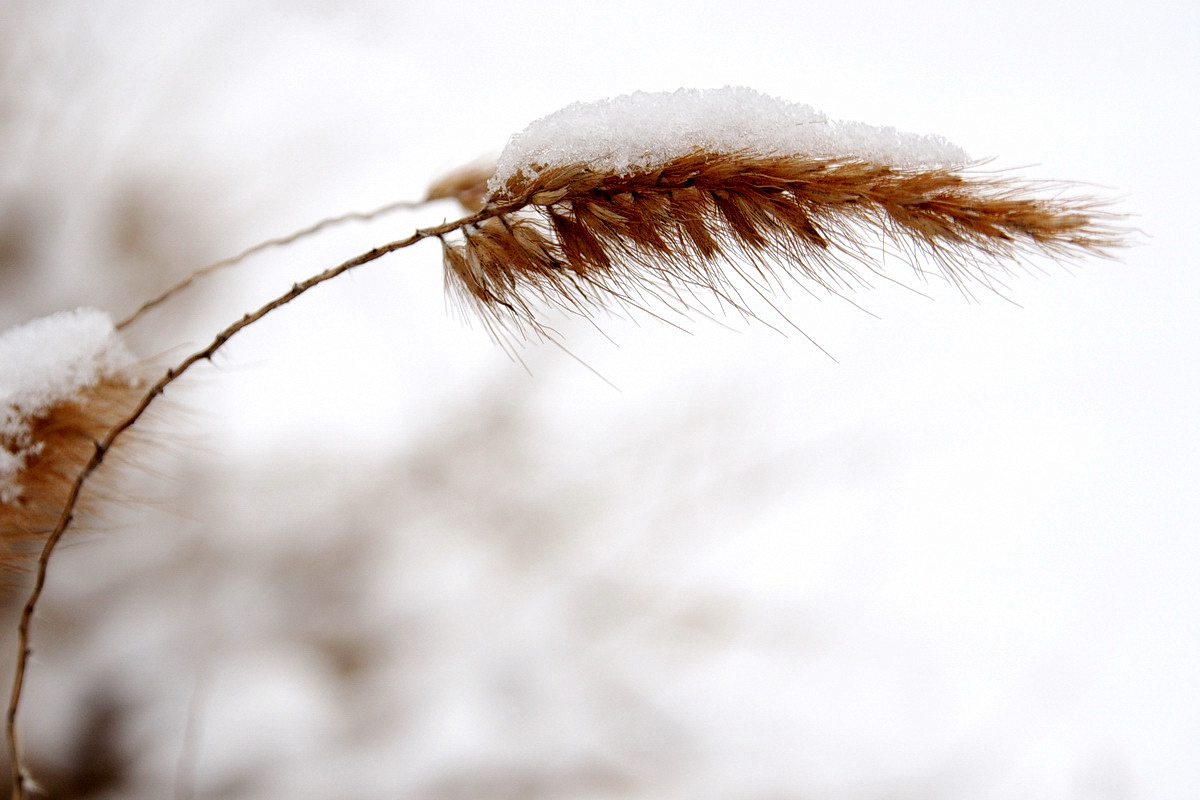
645,130
46,362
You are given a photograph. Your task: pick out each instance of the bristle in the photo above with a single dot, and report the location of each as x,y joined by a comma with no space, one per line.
65,381
591,238
55,447
468,185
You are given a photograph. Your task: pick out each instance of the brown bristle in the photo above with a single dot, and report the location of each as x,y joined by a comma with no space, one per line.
468,185
60,443
592,238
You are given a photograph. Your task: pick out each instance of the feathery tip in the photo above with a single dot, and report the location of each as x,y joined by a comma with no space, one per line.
468,184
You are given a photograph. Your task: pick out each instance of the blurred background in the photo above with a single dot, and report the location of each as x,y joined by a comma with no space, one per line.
368,554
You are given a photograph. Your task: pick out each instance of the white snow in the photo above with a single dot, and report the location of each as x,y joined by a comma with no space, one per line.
644,130
42,363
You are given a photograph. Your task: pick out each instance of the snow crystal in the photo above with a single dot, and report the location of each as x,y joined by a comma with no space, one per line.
43,363
644,130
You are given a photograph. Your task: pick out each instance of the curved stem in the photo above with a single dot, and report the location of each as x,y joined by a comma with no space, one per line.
316,227
103,445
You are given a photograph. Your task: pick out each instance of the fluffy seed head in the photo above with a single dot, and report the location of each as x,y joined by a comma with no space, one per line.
690,197
65,381
707,225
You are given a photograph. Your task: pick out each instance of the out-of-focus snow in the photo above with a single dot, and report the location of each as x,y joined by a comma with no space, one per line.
646,129
42,363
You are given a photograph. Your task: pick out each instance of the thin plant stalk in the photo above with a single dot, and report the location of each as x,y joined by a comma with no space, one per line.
281,241
103,446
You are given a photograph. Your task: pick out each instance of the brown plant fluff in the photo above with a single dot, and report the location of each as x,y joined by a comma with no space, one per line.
710,225
60,442
468,185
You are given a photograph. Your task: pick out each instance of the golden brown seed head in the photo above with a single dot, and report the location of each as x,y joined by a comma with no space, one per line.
577,237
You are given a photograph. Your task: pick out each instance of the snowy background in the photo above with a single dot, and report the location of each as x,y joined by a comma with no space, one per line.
372,556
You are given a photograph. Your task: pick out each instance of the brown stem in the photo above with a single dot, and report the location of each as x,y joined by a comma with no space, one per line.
316,227
102,448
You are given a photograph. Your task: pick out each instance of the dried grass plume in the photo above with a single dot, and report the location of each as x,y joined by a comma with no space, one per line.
684,225
65,382
708,225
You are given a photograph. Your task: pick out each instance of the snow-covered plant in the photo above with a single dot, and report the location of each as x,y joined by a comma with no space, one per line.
689,202
691,197
65,381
